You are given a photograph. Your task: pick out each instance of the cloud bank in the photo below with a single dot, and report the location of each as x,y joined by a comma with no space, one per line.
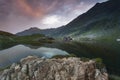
17,15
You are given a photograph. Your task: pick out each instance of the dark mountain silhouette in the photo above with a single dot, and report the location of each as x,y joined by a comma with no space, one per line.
3,33
35,30
100,22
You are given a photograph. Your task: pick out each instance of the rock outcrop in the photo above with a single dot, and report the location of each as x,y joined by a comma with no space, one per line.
34,68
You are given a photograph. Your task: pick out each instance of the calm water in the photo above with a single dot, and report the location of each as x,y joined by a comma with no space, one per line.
108,51
14,54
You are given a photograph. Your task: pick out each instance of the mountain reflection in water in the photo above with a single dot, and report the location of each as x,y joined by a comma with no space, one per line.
14,54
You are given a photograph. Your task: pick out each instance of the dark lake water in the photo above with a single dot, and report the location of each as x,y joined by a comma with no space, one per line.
108,51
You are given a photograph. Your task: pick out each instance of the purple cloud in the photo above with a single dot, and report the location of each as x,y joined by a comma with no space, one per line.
17,15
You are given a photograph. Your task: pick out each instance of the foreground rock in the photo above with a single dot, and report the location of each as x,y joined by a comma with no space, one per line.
34,68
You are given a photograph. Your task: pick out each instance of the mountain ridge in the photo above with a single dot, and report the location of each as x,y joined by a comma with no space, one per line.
100,22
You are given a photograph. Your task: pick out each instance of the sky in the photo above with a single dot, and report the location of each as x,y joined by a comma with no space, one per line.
18,15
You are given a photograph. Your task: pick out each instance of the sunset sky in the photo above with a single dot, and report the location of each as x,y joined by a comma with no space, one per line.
18,15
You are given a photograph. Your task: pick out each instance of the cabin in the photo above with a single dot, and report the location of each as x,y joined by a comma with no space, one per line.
117,39
67,39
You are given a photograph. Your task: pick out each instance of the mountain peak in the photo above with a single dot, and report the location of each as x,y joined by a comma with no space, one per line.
34,28
30,31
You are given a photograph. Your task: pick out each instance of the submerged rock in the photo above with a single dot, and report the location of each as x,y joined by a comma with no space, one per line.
34,68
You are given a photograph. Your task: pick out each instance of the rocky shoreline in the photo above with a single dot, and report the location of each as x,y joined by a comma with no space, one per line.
34,68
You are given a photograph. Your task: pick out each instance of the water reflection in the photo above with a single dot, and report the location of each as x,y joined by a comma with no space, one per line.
15,53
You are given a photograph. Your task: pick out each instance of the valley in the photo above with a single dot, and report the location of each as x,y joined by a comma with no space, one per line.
93,35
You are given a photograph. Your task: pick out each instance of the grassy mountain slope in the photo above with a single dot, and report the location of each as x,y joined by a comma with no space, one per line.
3,33
100,22
5,36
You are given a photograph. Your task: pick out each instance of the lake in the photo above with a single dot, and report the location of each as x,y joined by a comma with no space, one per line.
108,51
